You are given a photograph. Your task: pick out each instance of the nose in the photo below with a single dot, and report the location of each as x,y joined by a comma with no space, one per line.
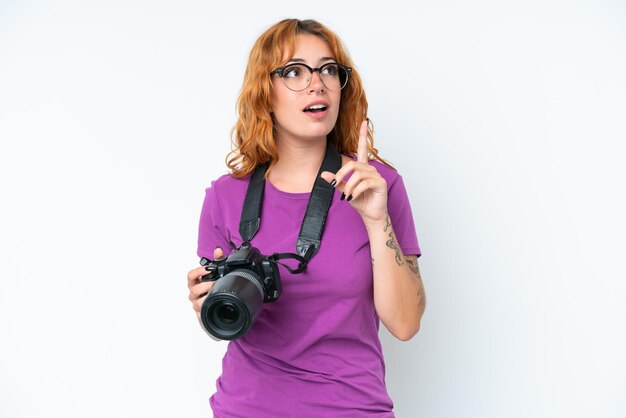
316,83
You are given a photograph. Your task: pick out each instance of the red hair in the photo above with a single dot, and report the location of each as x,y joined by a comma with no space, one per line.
253,136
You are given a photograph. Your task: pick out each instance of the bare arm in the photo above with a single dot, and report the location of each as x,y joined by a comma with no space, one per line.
398,289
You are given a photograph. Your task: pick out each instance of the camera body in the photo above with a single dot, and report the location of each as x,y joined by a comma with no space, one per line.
247,258
244,281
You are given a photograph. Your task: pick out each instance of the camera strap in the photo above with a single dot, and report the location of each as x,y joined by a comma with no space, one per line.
310,236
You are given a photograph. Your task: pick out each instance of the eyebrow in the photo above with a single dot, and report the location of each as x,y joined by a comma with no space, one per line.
321,59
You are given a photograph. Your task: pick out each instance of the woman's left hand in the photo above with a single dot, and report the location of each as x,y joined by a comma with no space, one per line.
366,189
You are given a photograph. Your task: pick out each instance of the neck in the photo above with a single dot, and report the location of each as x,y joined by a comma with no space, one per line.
300,160
298,165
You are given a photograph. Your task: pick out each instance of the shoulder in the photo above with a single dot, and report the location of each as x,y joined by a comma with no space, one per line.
226,184
226,192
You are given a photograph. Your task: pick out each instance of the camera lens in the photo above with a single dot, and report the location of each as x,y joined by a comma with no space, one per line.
233,304
225,316
228,314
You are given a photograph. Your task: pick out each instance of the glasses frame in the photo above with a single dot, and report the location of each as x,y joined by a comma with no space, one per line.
281,73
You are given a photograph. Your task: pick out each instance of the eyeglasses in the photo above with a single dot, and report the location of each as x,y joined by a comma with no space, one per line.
297,77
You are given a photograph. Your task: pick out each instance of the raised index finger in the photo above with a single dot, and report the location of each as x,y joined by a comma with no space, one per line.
362,148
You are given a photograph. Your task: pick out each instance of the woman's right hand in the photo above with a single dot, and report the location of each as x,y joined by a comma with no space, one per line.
197,288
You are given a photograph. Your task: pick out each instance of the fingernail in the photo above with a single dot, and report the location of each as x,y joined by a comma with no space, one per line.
349,198
332,183
343,196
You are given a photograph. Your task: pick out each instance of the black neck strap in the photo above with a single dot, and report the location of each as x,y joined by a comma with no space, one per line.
310,236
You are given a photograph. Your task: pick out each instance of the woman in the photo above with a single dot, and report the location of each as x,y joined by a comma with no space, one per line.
315,352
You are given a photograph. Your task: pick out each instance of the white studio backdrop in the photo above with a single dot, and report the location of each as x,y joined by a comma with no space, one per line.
505,118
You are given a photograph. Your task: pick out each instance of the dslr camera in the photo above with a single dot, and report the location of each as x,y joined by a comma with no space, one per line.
244,281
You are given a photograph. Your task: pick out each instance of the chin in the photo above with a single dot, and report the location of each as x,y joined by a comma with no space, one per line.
319,133
309,130
324,127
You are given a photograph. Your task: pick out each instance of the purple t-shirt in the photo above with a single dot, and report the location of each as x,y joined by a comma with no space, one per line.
315,352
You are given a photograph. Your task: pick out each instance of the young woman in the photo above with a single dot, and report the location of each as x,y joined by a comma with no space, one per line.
315,352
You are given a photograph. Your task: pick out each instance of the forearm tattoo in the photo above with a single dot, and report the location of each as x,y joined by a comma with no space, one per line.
388,221
393,244
412,263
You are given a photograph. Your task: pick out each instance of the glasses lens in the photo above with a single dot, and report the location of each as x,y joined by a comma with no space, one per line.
334,76
296,77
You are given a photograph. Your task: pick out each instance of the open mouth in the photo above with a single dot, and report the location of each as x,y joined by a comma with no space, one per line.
316,108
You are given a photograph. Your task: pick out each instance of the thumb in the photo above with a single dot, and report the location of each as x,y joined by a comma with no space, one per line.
218,253
327,175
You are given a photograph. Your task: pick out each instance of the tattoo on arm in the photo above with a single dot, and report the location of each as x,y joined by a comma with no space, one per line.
411,261
393,244
388,221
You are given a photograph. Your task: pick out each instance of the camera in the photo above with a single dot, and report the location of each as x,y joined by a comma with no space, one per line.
243,282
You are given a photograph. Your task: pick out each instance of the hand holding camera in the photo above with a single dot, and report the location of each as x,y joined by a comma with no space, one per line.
240,284
198,289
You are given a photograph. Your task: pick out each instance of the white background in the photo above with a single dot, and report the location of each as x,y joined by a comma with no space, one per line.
506,120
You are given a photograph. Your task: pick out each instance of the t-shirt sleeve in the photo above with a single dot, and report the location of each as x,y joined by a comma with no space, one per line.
401,216
211,231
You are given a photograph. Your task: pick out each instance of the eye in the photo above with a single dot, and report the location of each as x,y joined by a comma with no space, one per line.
292,71
330,69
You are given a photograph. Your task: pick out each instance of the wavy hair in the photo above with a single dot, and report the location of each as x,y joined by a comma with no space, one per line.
253,135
